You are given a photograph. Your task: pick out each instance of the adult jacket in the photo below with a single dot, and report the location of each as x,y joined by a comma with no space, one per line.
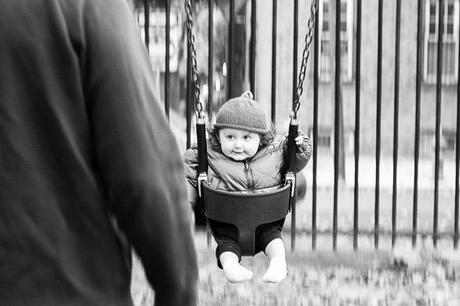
84,151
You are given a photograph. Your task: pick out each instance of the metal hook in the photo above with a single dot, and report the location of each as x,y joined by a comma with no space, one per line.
248,94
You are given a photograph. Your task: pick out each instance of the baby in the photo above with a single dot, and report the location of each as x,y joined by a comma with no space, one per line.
244,155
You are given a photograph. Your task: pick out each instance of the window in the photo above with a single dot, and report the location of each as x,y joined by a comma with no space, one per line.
448,142
157,37
346,40
427,142
324,139
449,41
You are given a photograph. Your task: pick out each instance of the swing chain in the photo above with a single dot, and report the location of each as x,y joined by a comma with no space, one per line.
191,45
305,56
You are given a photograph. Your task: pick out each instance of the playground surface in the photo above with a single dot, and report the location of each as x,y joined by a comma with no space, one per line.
388,275
404,276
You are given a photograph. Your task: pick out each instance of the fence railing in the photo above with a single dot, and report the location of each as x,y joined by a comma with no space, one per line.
442,8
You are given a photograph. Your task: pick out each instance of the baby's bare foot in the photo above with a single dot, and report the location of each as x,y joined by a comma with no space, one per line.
236,273
276,272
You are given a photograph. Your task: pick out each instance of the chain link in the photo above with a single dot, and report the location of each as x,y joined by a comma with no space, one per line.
191,46
305,56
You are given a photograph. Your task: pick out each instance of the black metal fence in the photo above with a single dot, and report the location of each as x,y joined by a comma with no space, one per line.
315,66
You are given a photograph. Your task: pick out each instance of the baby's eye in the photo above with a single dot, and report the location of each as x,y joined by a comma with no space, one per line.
247,137
230,137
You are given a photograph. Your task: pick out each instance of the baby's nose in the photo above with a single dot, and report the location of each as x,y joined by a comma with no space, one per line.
238,143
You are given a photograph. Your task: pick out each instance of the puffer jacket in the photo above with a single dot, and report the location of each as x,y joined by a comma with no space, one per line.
256,174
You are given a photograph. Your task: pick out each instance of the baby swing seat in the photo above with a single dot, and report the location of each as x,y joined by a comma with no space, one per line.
246,211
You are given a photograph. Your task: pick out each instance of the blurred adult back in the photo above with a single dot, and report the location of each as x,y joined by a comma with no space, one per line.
85,151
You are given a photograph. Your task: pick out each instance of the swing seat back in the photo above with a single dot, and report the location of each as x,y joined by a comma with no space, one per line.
246,211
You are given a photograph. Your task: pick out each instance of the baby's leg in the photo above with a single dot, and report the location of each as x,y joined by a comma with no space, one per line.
277,270
228,251
234,272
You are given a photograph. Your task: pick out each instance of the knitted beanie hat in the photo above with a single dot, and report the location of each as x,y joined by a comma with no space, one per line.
242,113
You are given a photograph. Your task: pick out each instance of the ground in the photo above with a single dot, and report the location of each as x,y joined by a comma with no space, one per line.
391,275
404,276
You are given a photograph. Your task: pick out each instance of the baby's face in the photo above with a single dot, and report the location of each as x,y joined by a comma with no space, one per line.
238,144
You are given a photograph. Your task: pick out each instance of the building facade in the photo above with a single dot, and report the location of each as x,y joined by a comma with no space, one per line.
369,51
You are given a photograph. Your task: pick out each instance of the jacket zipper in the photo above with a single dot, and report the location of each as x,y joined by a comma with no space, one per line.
249,178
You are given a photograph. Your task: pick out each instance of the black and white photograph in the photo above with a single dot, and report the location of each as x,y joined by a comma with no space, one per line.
229,152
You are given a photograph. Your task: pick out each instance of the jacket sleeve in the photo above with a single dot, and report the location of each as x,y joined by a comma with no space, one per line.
138,160
191,173
303,154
